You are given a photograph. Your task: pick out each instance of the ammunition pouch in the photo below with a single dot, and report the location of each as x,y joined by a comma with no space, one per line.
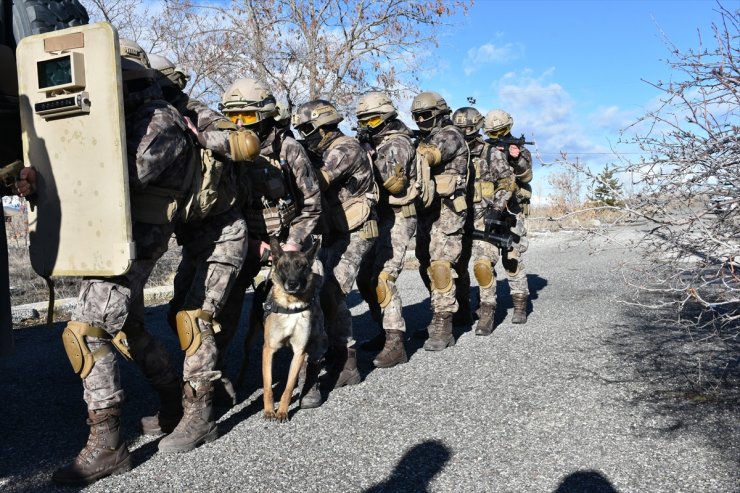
523,196
445,184
460,204
155,205
370,230
78,352
484,274
408,210
244,145
440,273
189,332
385,289
270,220
351,214
484,190
431,153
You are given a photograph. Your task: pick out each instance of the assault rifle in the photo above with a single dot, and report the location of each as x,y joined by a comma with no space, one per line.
497,229
508,140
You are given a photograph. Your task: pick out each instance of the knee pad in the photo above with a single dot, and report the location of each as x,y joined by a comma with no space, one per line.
188,330
440,272
385,289
484,274
79,353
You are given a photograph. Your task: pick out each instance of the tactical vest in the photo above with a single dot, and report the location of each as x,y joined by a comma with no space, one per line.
270,205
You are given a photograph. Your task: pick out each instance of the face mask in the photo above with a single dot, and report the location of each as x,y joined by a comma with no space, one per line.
427,125
312,141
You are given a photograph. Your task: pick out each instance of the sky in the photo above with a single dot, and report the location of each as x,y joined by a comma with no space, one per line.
569,71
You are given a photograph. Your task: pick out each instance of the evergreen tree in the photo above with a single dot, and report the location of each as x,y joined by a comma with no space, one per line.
606,189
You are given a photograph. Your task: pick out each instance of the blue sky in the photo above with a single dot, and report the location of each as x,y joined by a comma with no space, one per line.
568,71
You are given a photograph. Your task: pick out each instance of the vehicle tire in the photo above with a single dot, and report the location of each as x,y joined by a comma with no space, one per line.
41,16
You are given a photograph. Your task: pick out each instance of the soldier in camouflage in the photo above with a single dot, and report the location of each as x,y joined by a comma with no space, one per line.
498,125
281,198
440,228
492,189
110,310
390,144
214,246
349,225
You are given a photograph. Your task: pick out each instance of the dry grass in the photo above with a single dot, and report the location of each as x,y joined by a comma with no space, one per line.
555,218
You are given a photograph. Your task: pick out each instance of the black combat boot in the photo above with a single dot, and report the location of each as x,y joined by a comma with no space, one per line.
343,370
440,332
104,454
310,396
486,314
198,424
170,412
394,352
520,308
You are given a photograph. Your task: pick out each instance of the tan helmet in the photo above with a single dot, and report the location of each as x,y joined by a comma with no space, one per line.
169,70
498,123
468,119
249,101
130,50
428,105
373,109
315,114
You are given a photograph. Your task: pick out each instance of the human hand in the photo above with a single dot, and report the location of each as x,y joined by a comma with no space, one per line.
26,183
514,151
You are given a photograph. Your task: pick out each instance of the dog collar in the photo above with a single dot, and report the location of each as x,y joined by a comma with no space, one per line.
271,306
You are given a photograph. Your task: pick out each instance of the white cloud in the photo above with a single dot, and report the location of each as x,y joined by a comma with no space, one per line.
491,53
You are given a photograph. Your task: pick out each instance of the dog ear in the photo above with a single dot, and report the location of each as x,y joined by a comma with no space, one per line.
311,253
275,248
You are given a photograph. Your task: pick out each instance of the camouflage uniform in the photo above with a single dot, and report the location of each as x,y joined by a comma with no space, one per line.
518,205
493,186
295,212
346,167
396,224
159,153
440,229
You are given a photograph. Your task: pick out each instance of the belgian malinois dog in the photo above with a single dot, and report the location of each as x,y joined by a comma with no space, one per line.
287,317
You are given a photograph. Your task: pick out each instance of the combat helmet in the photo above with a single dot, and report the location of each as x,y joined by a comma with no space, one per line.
427,107
469,120
131,50
172,72
311,116
249,101
498,123
374,109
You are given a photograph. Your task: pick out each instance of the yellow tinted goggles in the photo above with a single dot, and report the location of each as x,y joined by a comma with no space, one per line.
371,122
495,134
244,117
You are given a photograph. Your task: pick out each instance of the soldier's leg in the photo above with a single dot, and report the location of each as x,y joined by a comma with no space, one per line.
514,265
394,352
485,256
425,220
445,251
463,315
341,262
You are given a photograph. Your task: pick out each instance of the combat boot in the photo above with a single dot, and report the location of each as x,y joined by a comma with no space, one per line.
170,412
104,454
486,314
394,352
198,425
310,392
440,332
520,308
343,370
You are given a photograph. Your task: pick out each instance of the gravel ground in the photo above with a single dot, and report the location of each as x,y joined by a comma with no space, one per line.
589,395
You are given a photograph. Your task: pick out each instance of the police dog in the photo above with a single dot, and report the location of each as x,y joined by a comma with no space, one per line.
287,317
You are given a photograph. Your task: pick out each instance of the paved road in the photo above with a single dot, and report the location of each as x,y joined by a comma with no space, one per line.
581,398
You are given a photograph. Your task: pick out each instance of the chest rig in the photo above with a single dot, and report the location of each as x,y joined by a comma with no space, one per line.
271,202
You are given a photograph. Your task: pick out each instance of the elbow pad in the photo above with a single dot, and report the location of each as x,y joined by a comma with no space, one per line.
431,153
244,145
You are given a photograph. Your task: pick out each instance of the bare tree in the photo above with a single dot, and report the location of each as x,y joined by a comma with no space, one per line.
303,49
686,184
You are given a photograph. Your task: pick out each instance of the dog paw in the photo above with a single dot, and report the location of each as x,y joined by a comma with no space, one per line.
281,416
269,415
